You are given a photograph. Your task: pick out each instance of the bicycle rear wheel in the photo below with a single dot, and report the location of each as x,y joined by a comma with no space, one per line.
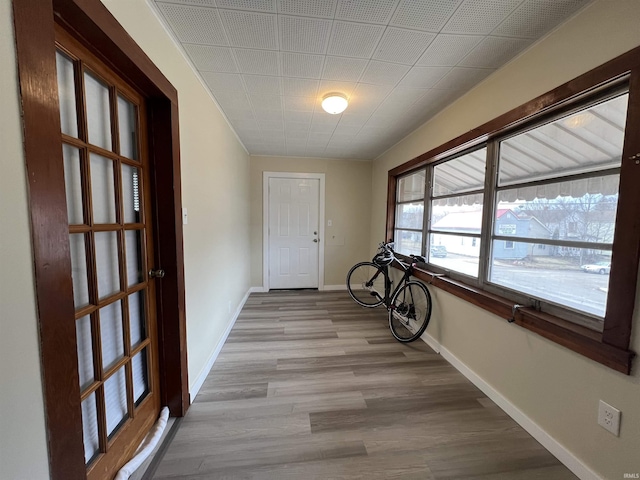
365,282
410,312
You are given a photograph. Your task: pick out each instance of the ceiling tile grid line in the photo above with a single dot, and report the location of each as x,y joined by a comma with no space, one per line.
268,63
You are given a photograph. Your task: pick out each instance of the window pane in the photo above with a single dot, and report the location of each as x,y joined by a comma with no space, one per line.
67,95
579,210
90,427
458,215
106,246
85,351
411,187
133,241
115,397
136,318
131,193
127,125
79,270
111,336
455,252
573,277
102,190
72,184
410,215
408,243
585,141
140,376
98,112
462,174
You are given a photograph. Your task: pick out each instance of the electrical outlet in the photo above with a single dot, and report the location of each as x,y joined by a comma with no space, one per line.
609,418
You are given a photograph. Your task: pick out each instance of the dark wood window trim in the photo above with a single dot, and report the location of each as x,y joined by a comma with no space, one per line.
91,22
611,347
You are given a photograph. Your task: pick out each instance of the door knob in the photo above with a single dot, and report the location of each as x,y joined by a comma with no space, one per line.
315,240
156,273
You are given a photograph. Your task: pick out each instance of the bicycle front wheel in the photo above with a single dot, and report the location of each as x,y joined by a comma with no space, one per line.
410,312
365,282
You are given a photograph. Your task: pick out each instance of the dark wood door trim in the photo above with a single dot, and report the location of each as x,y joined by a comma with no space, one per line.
35,46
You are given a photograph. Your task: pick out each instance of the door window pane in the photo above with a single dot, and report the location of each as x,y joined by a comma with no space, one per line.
140,376
127,125
72,184
131,193
589,140
90,427
67,95
102,190
137,318
455,252
79,270
111,336
133,240
106,246
98,112
577,278
115,397
85,351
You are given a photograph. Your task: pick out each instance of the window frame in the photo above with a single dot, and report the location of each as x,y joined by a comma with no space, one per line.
610,346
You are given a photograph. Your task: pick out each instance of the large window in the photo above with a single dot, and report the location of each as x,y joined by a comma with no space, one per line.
526,222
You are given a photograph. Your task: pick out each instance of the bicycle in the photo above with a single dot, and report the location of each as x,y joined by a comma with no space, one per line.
409,305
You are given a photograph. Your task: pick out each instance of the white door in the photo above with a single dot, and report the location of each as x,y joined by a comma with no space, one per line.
293,232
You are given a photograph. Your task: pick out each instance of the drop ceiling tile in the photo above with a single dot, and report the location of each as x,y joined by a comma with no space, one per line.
368,92
383,73
300,87
211,59
299,104
461,78
366,11
448,50
304,35
429,15
534,18
263,85
314,151
250,29
268,116
258,62
266,102
315,137
479,16
353,120
272,129
301,65
320,117
493,52
381,120
239,113
402,46
194,24
404,96
255,5
348,129
322,127
331,86
201,3
343,68
233,101
308,8
223,82
295,134
424,77
350,39
303,118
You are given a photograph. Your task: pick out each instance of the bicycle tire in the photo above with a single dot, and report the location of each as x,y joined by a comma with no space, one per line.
359,276
410,312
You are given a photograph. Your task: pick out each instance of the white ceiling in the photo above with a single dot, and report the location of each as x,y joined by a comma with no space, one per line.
268,63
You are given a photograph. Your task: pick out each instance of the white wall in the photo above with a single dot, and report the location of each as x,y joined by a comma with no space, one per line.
556,388
215,191
23,450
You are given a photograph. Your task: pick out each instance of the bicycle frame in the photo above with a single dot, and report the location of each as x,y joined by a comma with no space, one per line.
388,295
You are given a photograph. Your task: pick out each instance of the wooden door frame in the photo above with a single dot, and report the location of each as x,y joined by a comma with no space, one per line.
35,51
265,222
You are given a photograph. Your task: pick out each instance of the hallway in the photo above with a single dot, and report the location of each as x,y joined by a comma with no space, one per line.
311,386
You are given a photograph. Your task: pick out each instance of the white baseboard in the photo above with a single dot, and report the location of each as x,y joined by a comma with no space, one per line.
552,445
197,384
334,288
258,290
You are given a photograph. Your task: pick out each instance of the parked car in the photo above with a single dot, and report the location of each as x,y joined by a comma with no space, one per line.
438,251
599,267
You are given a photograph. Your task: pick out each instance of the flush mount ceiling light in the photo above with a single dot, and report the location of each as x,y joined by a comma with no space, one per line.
334,103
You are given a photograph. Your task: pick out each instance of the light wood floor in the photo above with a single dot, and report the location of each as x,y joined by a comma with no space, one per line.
311,386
